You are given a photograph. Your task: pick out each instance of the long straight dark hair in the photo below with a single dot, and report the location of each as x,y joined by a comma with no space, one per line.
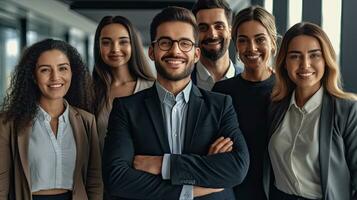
102,74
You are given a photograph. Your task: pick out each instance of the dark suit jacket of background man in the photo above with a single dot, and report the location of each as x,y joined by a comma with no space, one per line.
136,127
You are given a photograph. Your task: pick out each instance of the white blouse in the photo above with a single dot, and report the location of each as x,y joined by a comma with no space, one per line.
52,160
294,149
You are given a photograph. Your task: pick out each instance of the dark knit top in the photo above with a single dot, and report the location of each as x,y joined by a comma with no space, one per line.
250,100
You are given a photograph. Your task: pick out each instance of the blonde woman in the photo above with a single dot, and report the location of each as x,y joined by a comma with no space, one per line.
313,122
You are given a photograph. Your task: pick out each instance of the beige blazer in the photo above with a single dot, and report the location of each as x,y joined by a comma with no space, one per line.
14,166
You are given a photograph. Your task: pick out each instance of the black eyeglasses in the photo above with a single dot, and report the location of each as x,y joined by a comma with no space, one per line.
166,43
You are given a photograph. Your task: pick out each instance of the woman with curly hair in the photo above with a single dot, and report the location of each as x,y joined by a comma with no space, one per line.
313,122
120,69
48,142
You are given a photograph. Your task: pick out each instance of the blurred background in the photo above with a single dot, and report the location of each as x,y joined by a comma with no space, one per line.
23,22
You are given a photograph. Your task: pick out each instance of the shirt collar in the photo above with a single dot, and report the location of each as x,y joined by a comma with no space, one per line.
204,74
165,95
231,70
314,102
43,115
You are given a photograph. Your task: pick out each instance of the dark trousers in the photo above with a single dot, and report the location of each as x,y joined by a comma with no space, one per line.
276,194
64,196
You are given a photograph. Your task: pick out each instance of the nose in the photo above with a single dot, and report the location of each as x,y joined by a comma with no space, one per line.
252,46
115,47
175,47
305,62
212,32
55,74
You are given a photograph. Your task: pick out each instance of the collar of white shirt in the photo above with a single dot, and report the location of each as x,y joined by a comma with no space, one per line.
43,115
313,103
204,74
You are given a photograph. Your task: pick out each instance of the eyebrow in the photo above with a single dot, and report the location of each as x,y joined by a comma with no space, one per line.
46,65
181,38
257,35
63,64
310,51
206,24
187,39
108,38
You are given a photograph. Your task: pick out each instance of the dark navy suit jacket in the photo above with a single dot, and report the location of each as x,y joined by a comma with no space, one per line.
136,127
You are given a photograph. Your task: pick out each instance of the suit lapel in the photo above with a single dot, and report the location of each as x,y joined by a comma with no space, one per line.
23,138
325,137
78,128
152,103
193,115
276,115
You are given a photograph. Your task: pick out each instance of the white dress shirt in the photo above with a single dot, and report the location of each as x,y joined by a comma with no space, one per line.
206,81
174,111
294,149
52,159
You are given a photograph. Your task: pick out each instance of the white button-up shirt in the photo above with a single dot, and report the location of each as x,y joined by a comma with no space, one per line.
204,78
294,149
52,159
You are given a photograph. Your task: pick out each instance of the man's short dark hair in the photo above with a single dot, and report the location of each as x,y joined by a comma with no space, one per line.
172,14
210,4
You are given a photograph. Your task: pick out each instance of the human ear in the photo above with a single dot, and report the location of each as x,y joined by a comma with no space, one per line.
151,53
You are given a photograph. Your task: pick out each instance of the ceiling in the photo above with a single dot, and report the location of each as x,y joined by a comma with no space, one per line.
139,12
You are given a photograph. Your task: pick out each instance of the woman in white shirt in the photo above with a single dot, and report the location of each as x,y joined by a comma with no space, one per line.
48,144
313,122
120,68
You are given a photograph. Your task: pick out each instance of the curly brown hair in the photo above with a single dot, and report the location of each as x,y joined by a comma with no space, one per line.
21,101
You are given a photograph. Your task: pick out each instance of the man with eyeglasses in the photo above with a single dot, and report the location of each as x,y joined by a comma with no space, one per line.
167,142
214,18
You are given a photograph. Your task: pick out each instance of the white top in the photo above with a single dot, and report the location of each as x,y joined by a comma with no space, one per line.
52,160
294,149
205,79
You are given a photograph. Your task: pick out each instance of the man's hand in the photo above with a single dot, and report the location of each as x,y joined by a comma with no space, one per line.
202,191
221,145
149,164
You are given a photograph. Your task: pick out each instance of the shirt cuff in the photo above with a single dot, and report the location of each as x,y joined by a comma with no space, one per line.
186,192
165,168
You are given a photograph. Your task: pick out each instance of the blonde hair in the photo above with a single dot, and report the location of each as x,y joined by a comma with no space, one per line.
331,79
260,15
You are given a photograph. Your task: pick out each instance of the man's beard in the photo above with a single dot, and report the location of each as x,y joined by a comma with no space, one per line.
214,54
174,77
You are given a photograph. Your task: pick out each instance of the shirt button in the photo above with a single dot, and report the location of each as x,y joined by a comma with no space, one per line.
175,134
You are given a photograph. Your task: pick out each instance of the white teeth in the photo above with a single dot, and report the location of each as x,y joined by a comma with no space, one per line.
55,85
305,74
253,57
174,61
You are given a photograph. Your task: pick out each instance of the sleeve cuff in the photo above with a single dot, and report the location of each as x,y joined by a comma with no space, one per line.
165,168
186,192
